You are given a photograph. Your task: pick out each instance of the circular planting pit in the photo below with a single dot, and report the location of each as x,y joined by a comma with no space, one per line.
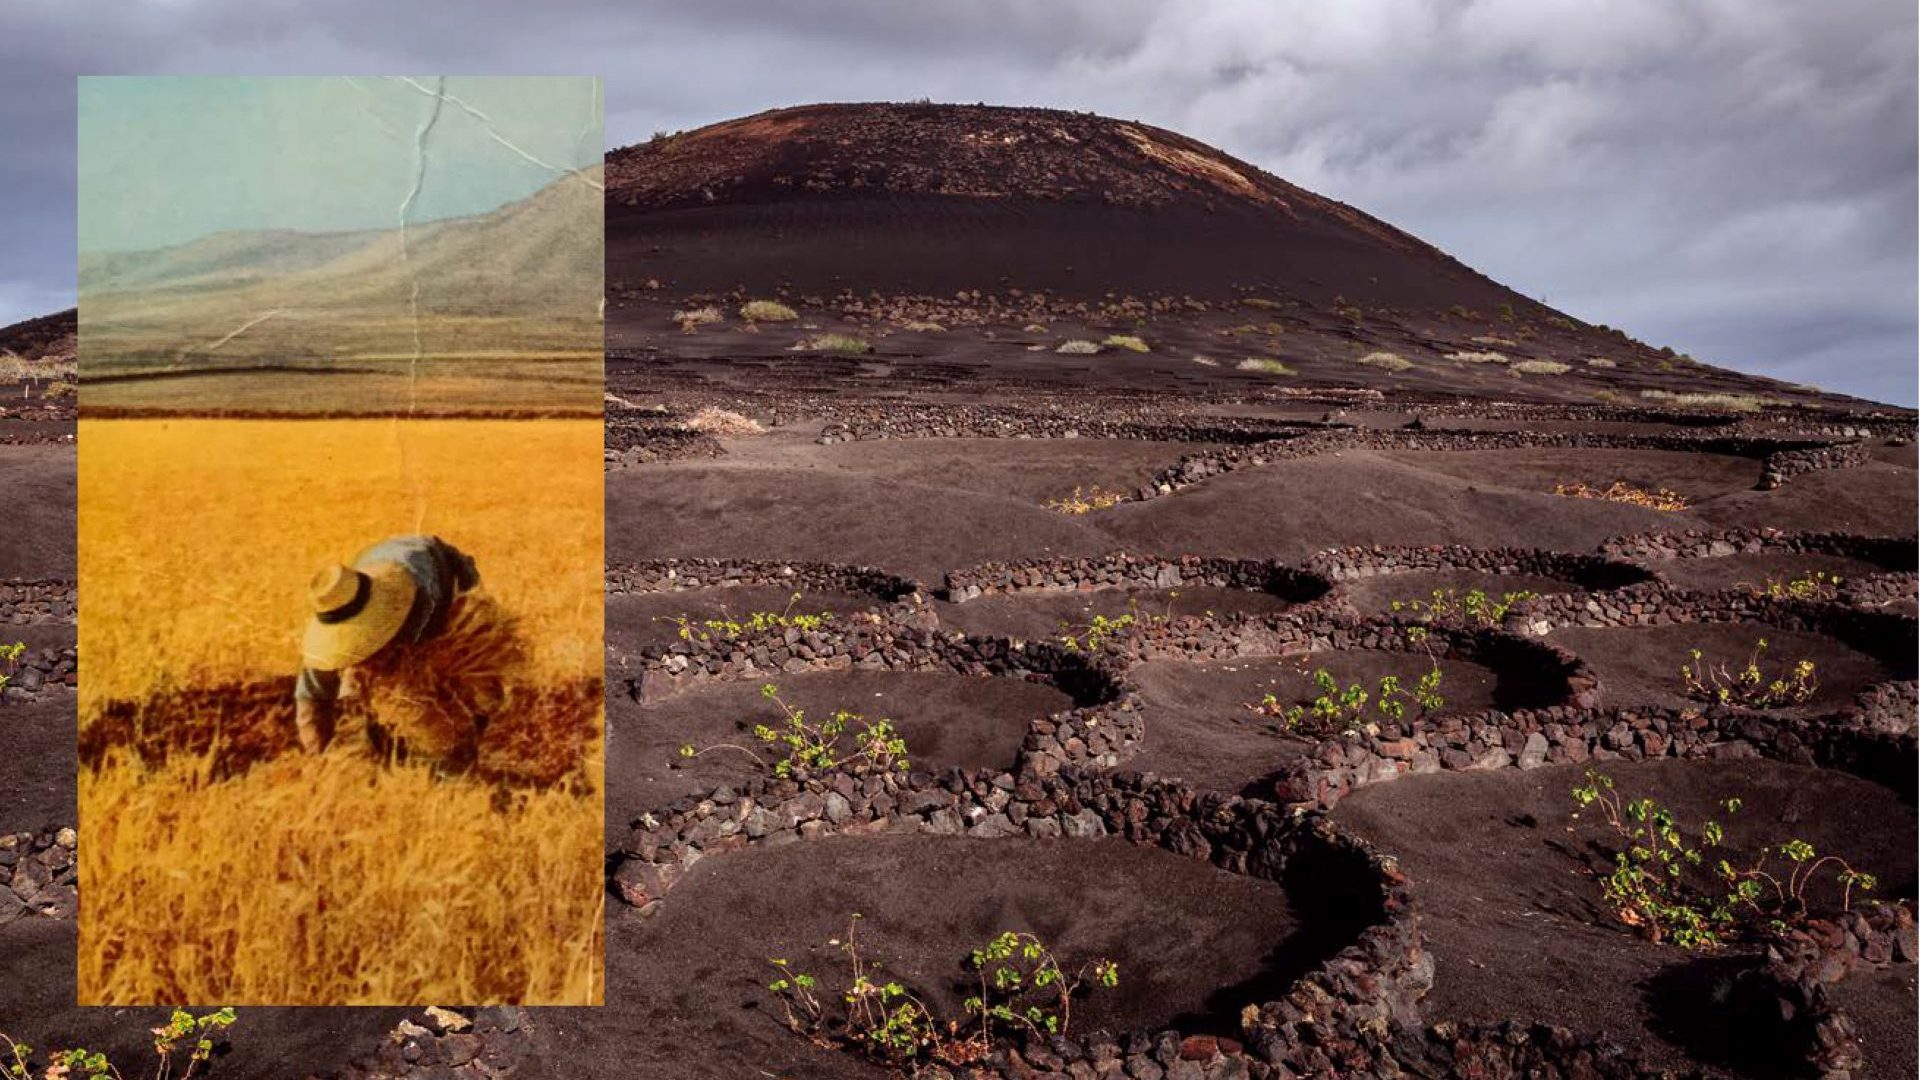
1372,579
1194,943
1519,928
1343,973
1198,725
1057,599
949,720
1639,666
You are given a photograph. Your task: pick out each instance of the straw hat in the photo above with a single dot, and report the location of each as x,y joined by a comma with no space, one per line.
355,613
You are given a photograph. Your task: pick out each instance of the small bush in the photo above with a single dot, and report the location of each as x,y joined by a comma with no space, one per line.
1259,302
1385,361
1206,361
767,311
1479,357
694,318
1264,365
1739,403
1090,636
1749,687
808,747
1128,342
713,420
183,1032
1020,992
1339,709
1497,342
1813,585
844,344
1093,635
922,326
1665,887
1606,396
1540,367
1474,608
1622,492
1078,347
1086,501
1600,362
9,661
728,628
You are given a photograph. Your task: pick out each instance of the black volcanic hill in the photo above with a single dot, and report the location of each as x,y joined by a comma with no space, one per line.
937,198
47,337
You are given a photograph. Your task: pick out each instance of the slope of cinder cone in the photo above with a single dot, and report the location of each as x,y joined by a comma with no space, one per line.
934,198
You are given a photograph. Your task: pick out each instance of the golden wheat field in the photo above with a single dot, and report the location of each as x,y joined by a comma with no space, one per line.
338,879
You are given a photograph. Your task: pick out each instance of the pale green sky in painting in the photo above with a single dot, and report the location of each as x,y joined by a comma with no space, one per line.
167,160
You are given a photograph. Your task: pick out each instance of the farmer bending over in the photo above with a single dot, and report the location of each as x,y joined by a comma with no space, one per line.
396,593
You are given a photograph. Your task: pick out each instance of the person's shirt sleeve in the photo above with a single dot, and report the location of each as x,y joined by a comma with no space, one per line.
464,574
314,685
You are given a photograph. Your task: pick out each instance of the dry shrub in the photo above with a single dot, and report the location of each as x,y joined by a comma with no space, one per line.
1385,361
1086,501
1540,367
1265,365
760,311
694,318
1129,342
713,420
1622,492
1739,403
1601,362
1078,347
922,326
1479,357
845,344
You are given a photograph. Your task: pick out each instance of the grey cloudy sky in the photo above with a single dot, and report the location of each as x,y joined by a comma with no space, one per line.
1735,178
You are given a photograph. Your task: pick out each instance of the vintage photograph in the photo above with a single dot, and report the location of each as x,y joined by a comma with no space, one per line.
340,529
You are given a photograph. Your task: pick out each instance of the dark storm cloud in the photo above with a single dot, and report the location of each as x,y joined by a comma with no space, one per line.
1735,178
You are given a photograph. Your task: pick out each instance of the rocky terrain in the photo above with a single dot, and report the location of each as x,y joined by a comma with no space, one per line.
1078,451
